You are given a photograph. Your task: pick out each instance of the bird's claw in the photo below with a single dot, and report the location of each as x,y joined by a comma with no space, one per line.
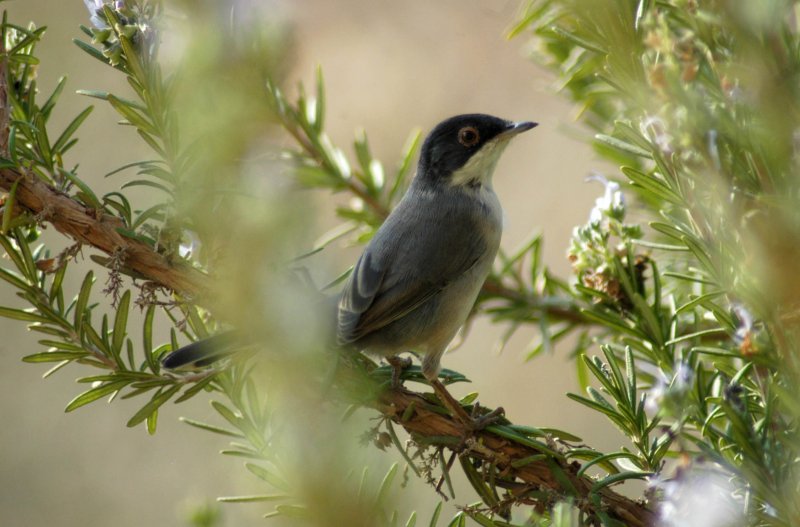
479,422
470,423
398,364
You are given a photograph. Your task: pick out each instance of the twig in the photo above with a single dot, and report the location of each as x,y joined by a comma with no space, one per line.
493,288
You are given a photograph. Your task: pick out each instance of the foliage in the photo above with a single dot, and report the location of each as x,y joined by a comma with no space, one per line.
692,304
698,105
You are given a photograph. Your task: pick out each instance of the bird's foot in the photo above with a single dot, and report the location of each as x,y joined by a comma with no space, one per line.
398,364
471,423
480,421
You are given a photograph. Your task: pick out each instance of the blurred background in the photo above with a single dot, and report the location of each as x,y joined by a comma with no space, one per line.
390,67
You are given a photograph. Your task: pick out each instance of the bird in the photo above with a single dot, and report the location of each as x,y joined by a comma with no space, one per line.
418,278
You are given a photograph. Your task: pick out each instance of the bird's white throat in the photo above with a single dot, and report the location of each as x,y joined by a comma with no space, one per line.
478,170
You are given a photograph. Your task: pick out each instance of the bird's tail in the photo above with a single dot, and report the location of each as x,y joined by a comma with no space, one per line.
203,352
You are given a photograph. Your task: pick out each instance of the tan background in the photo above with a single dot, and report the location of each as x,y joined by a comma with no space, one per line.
390,67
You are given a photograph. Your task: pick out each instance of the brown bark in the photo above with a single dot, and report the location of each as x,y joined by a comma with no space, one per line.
424,422
97,229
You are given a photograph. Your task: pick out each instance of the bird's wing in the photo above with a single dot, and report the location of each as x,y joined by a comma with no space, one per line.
388,284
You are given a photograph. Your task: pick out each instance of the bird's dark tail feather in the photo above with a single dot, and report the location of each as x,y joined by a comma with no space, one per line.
203,352
211,349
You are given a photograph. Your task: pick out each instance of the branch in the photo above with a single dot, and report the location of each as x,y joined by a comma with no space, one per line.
416,414
99,230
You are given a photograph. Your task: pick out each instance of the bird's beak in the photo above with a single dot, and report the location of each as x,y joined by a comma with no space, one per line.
517,128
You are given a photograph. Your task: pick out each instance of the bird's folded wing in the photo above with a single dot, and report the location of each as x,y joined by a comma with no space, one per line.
381,291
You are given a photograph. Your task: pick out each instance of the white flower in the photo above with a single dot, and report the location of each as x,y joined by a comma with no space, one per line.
655,396
713,149
655,130
667,395
746,326
190,245
611,203
94,6
698,498
684,375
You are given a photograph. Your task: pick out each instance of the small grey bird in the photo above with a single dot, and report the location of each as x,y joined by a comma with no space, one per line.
417,280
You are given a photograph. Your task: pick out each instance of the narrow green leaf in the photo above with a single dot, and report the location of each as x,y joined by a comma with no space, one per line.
150,140
160,398
14,279
481,519
24,59
24,315
211,428
51,101
228,414
697,334
65,346
575,39
616,478
257,498
265,475
459,520
509,433
630,372
95,394
133,116
123,206
91,50
446,472
403,170
319,115
152,422
196,388
121,322
383,490
619,144
700,252
27,40
96,94
436,513
652,184
147,183
83,300
71,128
400,448
55,356
147,339
604,459
86,194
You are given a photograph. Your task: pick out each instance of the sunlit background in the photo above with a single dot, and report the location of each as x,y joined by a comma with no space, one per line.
390,67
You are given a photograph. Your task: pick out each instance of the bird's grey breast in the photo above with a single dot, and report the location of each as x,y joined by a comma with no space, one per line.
418,279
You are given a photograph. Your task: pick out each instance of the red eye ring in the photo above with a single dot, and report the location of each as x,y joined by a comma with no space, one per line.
469,136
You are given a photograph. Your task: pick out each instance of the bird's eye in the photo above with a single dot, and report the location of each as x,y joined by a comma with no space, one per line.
468,136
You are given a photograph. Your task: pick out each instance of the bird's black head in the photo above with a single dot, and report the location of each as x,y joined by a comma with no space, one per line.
464,149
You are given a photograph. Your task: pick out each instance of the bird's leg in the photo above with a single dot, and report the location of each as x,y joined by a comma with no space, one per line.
470,422
398,364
